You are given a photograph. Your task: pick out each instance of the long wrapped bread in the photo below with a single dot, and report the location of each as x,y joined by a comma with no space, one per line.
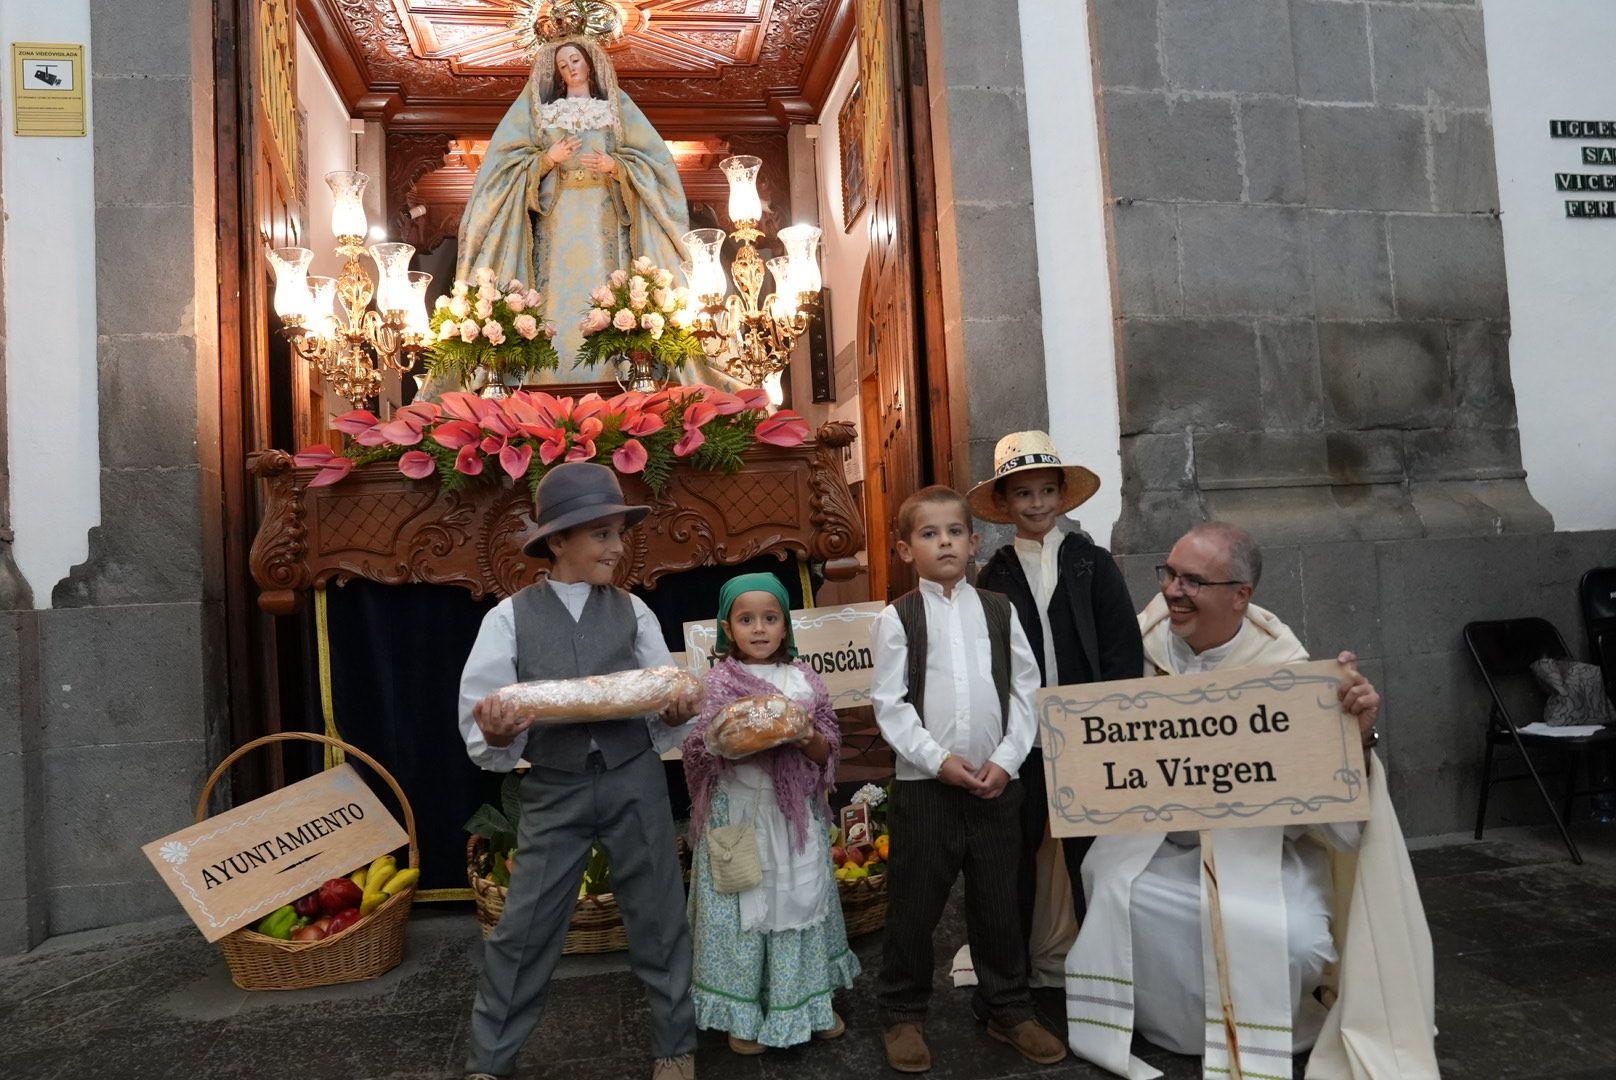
600,697
749,725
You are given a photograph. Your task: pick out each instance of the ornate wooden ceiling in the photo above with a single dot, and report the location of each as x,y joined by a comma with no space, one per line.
697,67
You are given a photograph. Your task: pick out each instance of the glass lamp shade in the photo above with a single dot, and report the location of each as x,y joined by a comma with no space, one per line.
322,295
785,288
291,281
802,247
744,204
348,205
392,267
416,319
707,278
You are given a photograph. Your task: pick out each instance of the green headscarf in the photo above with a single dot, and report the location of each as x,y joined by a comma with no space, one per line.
745,583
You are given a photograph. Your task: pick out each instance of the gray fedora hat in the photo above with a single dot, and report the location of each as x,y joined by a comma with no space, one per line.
576,493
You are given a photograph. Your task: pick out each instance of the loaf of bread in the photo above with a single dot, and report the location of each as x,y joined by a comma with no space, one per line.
750,724
601,697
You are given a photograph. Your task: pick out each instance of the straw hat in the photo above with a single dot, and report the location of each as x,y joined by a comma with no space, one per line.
1021,451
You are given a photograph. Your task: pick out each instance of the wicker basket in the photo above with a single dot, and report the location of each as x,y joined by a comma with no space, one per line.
864,903
597,926
372,946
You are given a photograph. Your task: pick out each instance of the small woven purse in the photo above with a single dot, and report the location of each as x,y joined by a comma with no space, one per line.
733,856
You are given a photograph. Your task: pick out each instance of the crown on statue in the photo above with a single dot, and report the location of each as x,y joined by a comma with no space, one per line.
539,22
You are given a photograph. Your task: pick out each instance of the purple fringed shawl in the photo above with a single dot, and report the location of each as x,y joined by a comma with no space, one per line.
796,778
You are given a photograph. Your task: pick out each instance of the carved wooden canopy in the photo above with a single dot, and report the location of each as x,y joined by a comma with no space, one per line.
695,66
379,525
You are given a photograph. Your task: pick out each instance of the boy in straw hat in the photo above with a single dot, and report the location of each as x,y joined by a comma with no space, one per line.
1073,605
590,783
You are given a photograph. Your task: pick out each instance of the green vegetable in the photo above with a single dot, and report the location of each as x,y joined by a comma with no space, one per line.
278,923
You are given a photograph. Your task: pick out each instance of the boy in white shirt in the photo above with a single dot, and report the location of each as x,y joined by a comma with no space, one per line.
953,690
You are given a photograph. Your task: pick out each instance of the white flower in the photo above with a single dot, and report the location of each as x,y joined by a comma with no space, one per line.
624,319
494,332
460,307
870,794
174,853
484,308
485,276
618,278
642,265
460,288
664,278
527,326
652,322
663,298
448,330
442,302
468,331
516,301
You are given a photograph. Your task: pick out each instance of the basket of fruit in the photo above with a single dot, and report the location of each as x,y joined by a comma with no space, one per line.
597,926
351,929
861,866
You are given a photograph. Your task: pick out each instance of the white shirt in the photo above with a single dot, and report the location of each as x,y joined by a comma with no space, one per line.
1040,561
961,703
1186,661
492,665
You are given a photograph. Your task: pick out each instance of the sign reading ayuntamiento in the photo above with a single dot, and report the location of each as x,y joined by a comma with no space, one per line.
1252,746
230,869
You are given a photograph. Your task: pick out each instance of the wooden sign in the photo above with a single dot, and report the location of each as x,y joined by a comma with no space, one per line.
834,641
232,869
1226,749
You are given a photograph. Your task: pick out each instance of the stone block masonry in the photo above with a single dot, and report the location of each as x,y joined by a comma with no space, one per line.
1311,308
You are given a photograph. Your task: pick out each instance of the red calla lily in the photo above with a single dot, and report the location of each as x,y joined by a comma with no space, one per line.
552,443
417,464
461,405
454,434
493,445
356,422
405,431
698,414
753,398
689,443
630,457
642,423
468,461
332,466
515,460
726,403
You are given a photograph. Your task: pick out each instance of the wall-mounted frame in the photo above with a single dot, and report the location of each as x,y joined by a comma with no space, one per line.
850,141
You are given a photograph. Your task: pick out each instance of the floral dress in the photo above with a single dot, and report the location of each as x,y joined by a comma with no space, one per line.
770,986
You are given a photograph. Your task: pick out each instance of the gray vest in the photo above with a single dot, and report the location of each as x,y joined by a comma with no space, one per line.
550,645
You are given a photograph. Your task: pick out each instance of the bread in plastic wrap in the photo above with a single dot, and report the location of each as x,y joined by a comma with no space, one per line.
601,697
749,725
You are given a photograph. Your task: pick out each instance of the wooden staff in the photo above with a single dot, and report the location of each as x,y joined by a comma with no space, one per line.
1220,951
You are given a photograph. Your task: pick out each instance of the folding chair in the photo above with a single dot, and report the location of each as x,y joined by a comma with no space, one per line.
1504,651
1597,593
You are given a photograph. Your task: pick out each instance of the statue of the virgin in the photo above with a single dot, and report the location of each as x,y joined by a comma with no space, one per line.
575,184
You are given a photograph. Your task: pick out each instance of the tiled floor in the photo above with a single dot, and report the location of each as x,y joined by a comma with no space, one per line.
1525,955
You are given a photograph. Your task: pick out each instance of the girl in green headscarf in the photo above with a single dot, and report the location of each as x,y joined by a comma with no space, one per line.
768,959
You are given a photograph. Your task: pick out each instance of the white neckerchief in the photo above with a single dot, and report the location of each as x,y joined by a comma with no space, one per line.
1040,561
1186,661
577,113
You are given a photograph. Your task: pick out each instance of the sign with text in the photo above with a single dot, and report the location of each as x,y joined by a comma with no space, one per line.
229,870
47,82
1217,750
834,641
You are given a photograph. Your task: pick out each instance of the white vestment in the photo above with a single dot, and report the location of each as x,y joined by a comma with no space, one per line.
1278,890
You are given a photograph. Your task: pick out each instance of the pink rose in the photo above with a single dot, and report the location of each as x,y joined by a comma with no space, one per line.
664,299
460,289
494,332
515,285
549,329
642,265
624,320
468,331
484,275
527,326
653,322
618,278
448,330
603,296
460,307
533,298
441,303
516,301
484,308
664,278
597,321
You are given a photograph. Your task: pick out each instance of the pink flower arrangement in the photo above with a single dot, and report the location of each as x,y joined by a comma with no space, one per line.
478,326
638,311
523,435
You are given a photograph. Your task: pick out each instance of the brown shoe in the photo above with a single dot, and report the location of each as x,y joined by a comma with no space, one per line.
682,1067
744,1047
837,1029
906,1048
1031,1040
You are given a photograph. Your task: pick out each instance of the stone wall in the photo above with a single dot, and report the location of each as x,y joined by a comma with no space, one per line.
122,676
1312,313
1401,605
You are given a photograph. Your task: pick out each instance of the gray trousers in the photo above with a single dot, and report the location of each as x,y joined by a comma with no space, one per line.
625,810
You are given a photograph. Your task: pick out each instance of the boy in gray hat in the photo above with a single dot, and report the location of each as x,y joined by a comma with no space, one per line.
589,783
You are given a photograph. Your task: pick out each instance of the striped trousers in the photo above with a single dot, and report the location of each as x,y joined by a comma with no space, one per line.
938,831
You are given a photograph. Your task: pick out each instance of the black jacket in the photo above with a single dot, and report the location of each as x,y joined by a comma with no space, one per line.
1090,613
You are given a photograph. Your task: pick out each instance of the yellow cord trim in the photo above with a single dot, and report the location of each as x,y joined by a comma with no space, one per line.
334,755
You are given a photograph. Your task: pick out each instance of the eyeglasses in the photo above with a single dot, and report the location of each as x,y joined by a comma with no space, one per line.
1191,584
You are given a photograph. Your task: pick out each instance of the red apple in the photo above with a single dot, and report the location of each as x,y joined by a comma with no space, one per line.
307,905
338,895
342,921
838,855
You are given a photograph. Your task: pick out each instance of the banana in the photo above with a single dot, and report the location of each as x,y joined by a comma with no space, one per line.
380,870
371,902
358,877
404,879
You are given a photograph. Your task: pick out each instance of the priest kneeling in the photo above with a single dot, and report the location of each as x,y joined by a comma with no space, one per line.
1327,943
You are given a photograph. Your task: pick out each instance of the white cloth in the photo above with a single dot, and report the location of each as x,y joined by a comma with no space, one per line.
961,704
1040,561
491,665
1144,959
1183,660
795,892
